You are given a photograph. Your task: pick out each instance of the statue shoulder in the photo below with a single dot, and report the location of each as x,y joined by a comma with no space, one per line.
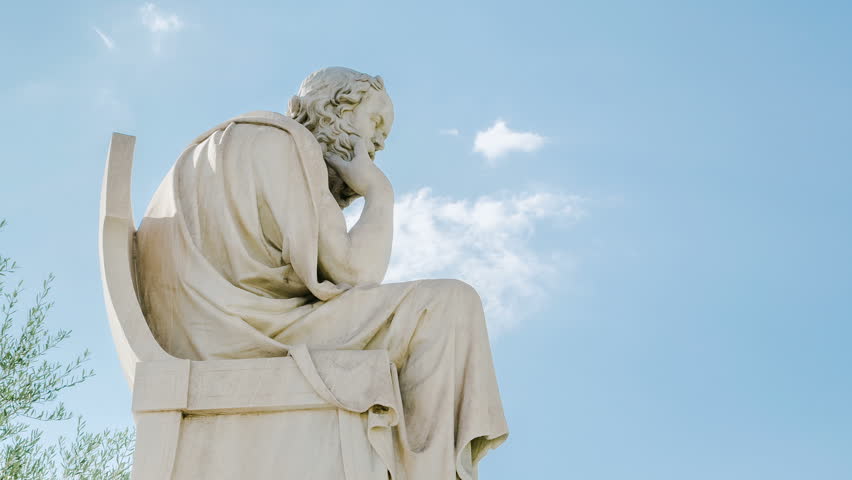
300,134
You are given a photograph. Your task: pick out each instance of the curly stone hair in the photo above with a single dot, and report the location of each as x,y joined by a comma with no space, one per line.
322,99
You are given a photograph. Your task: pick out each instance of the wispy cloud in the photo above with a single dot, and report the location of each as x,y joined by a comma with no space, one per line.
500,139
453,132
158,21
485,241
108,42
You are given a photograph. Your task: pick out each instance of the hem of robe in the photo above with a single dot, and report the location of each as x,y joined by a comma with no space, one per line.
389,414
467,460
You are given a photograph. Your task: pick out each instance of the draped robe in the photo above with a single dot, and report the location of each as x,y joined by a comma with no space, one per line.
227,268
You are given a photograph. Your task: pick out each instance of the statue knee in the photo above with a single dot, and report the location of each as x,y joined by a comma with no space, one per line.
459,298
466,293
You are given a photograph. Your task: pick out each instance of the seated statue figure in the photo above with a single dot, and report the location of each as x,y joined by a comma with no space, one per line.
244,252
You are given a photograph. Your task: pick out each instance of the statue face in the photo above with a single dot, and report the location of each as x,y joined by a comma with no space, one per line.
372,119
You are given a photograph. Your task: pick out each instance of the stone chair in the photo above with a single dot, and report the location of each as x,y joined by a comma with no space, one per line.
233,419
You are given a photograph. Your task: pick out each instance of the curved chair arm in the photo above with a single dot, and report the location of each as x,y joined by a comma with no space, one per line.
133,339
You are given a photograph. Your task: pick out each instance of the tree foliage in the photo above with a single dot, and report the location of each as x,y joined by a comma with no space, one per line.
30,386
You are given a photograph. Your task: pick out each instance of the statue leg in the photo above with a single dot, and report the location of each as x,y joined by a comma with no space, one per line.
435,333
439,342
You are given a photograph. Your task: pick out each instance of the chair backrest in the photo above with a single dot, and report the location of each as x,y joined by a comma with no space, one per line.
133,339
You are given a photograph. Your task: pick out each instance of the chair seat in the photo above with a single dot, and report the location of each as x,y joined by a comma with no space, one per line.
357,378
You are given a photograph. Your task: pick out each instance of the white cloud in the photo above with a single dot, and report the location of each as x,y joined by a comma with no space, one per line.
499,140
453,132
485,241
158,21
108,42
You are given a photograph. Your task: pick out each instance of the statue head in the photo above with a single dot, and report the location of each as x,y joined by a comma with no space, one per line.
339,106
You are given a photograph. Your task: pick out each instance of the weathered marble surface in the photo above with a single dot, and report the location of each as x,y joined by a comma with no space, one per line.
197,418
244,254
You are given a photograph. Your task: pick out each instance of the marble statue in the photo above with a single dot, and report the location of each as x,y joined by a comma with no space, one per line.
244,253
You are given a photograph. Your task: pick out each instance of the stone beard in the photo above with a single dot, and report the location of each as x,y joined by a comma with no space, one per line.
244,252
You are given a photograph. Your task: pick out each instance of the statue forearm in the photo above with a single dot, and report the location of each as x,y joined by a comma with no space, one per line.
365,252
371,238
360,256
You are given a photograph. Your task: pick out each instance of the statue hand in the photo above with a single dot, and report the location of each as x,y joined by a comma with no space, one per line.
360,173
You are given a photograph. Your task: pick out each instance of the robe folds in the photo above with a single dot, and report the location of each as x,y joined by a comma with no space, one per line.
227,268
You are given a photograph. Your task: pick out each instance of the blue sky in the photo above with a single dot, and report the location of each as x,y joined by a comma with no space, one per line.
665,254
